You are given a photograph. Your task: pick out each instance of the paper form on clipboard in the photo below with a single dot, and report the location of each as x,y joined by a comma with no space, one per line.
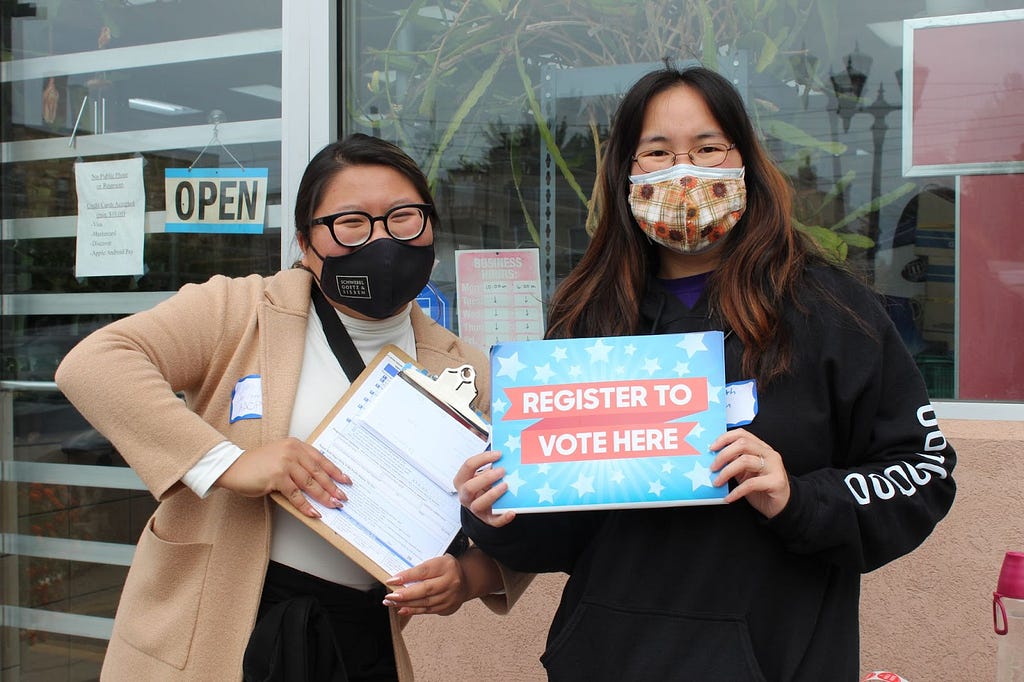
401,436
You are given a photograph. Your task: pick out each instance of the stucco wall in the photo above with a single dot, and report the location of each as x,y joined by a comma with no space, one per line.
927,616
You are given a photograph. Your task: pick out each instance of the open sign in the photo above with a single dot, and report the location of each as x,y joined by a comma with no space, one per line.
230,200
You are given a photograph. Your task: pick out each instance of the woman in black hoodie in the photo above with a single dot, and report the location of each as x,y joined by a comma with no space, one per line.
843,468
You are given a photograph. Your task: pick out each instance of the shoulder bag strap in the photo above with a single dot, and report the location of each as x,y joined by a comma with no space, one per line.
337,336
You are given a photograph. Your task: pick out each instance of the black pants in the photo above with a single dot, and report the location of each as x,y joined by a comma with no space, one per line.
356,621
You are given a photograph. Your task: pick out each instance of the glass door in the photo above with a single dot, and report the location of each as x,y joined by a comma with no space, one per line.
181,84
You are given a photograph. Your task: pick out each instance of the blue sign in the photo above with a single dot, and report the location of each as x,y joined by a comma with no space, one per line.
609,423
435,304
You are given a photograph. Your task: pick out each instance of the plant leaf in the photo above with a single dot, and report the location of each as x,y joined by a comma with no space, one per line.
709,47
517,177
837,189
827,240
765,47
872,206
769,51
472,97
545,131
788,132
856,239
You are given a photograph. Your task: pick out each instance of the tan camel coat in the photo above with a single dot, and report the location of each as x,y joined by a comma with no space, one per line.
190,599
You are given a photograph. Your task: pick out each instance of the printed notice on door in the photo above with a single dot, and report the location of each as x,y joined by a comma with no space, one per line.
499,296
111,218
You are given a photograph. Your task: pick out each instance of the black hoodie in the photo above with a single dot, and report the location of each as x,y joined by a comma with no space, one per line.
720,593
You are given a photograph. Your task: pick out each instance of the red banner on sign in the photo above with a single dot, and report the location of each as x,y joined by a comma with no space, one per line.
540,444
680,397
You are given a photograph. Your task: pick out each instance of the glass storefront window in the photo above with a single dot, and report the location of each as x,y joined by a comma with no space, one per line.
506,108
505,105
182,84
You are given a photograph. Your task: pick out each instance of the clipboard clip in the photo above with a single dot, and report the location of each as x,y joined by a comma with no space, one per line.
456,388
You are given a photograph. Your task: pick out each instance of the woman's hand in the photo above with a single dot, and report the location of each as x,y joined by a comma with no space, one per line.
757,468
291,467
437,585
479,488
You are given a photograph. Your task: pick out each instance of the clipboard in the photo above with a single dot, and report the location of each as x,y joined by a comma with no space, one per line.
402,507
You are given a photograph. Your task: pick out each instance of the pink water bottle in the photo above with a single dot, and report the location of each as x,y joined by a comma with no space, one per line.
1008,619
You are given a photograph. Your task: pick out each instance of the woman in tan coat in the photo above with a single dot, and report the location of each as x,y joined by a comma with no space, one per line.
218,554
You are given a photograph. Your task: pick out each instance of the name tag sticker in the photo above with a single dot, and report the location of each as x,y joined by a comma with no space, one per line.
247,399
740,403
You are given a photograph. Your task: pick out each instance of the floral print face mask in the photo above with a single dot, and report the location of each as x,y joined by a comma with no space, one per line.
688,209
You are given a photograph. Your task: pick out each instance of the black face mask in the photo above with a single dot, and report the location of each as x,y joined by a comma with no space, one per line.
379,278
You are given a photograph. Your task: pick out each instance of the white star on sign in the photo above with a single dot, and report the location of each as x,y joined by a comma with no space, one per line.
575,371
630,349
598,352
700,475
514,482
558,354
617,476
692,343
499,406
651,365
667,468
697,430
543,373
584,484
656,488
510,367
714,394
546,494
543,468
512,443
682,368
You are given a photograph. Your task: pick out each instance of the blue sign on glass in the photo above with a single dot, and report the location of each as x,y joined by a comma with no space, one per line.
435,304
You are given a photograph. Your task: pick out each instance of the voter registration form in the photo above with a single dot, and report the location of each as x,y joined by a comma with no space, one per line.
402,446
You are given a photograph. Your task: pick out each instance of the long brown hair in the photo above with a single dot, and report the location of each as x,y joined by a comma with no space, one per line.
763,256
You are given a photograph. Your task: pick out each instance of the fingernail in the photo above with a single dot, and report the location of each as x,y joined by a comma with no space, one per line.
339,494
388,602
389,597
336,503
314,514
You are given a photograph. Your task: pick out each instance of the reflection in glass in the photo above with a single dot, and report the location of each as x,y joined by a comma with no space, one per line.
475,95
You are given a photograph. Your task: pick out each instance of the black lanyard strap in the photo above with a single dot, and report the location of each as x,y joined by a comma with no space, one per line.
337,336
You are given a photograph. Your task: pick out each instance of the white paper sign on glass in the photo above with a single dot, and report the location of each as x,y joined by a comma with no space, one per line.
111,218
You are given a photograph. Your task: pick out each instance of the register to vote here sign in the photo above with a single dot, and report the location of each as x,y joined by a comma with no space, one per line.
608,423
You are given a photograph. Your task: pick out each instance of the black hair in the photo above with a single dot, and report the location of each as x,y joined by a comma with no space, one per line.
355,150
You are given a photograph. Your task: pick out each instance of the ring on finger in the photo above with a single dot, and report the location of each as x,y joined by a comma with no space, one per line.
760,469
309,480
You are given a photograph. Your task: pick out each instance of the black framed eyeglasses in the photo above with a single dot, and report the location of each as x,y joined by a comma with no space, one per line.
703,155
353,228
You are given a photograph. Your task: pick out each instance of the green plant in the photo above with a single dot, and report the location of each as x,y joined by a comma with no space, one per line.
479,61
